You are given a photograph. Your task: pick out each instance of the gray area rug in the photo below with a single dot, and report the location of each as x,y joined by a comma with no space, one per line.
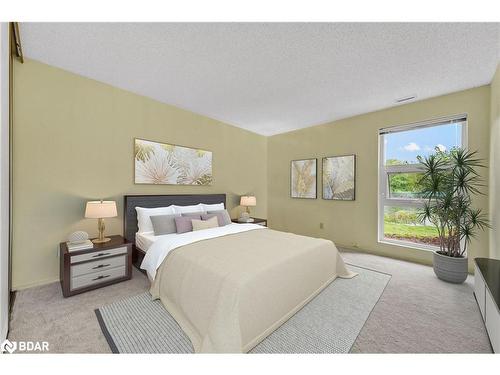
329,323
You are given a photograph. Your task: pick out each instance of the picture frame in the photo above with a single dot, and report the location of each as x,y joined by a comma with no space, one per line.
338,179
158,163
303,178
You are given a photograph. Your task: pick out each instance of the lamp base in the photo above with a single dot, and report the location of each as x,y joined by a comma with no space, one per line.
248,220
97,240
100,228
245,217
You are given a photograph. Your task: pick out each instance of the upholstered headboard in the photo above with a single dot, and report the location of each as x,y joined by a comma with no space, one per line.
151,201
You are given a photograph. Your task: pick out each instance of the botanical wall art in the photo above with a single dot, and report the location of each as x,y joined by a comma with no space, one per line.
161,163
303,178
339,174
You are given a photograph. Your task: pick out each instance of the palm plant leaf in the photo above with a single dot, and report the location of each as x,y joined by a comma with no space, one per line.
449,181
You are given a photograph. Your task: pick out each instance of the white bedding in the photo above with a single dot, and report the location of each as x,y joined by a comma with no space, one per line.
162,245
143,241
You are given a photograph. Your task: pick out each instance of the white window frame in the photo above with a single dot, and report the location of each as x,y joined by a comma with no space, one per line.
383,171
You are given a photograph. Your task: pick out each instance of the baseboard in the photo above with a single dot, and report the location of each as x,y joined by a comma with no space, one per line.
36,283
380,254
395,256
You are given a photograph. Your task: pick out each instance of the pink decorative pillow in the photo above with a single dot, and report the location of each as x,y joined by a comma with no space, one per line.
183,224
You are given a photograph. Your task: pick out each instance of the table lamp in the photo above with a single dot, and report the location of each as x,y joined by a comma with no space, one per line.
247,201
99,210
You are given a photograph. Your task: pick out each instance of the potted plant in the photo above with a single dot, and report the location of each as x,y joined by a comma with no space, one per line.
449,181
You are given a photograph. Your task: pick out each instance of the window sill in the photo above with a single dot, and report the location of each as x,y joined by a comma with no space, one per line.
408,245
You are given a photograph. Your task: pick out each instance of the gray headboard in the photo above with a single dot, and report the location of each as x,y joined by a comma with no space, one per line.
151,201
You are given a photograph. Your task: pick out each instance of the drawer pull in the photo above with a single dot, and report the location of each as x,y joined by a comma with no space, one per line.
100,266
100,277
100,255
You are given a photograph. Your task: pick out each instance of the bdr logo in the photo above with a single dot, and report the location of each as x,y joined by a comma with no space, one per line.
24,346
8,346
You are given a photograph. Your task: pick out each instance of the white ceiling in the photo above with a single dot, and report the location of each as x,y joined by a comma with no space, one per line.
273,77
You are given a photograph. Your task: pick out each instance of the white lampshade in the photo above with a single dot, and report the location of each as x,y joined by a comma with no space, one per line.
100,209
248,201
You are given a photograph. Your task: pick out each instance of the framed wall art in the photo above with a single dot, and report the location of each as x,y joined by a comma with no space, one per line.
339,177
166,164
303,178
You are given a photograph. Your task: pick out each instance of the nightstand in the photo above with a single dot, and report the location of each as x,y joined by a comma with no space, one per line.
256,220
105,264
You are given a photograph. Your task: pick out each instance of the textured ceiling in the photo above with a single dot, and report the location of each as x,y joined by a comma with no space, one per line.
275,77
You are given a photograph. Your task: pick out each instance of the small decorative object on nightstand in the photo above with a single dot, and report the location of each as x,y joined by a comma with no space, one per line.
79,241
104,264
255,220
247,201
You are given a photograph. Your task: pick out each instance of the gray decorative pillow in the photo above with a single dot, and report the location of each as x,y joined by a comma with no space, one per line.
164,224
183,224
222,216
206,217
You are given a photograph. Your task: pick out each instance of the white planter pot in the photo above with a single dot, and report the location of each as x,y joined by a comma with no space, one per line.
453,270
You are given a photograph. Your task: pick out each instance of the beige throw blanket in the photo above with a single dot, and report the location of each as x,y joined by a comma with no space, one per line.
228,293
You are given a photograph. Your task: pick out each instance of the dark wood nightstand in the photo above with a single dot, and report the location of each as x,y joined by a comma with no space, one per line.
88,269
256,220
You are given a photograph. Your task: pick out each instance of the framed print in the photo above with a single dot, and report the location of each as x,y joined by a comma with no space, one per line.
339,177
303,178
166,164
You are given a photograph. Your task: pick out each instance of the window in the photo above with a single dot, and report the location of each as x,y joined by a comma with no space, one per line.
399,172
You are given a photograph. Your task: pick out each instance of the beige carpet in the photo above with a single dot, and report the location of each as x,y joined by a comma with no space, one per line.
416,313
69,325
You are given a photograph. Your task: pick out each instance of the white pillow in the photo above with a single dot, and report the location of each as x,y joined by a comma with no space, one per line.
188,209
143,217
213,207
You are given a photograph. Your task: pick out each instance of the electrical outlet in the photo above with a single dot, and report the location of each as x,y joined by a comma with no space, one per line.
321,226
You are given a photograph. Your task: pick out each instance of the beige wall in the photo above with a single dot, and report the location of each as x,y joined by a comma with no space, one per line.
495,167
73,141
354,224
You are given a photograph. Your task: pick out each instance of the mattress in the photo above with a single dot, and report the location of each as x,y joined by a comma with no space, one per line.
143,241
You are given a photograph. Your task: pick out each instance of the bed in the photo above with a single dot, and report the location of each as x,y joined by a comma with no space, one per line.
230,287
130,227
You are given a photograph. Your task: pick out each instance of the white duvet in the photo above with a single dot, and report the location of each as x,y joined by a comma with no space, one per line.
163,245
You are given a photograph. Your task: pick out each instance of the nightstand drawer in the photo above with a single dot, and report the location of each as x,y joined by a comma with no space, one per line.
99,254
98,265
97,277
